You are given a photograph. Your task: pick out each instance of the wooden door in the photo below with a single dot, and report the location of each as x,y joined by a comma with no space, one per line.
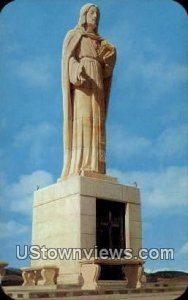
110,232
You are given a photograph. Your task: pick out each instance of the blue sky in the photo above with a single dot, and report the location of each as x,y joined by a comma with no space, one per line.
147,122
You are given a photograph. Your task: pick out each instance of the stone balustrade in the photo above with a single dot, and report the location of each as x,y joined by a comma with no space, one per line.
44,275
90,271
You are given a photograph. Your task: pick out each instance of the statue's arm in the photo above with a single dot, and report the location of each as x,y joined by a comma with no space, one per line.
75,68
109,65
108,70
75,71
108,56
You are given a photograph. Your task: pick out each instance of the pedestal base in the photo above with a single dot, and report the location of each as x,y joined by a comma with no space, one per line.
64,218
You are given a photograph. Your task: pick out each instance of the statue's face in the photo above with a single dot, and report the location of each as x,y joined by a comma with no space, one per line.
92,17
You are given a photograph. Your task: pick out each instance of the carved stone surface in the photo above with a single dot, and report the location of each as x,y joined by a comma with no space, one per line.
28,277
88,62
49,275
46,275
90,274
134,274
90,271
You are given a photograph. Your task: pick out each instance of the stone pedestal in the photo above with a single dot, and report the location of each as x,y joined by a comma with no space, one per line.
64,216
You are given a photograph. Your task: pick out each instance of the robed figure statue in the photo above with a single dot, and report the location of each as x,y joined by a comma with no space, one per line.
87,66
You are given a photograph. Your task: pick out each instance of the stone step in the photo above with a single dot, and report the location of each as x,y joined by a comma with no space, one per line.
40,293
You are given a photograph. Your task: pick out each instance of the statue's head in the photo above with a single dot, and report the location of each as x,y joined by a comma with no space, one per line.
89,15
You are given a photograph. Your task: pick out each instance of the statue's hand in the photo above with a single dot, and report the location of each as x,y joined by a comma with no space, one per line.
82,76
107,53
109,58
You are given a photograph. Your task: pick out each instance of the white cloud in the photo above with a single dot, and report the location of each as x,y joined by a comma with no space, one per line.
163,71
125,145
171,143
160,189
184,249
36,71
34,133
38,138
148,62
18,196
158,75
155,70
12,228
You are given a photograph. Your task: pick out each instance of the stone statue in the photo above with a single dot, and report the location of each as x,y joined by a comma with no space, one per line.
88,62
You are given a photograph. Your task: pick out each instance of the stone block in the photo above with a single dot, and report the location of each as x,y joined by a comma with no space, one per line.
61,208
136,245
88,206
135,229
131,194
101,189
135,212
88,241
88,224
57,240
57,191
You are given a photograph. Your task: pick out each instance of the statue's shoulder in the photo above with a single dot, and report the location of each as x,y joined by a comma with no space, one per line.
71,40
72,34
